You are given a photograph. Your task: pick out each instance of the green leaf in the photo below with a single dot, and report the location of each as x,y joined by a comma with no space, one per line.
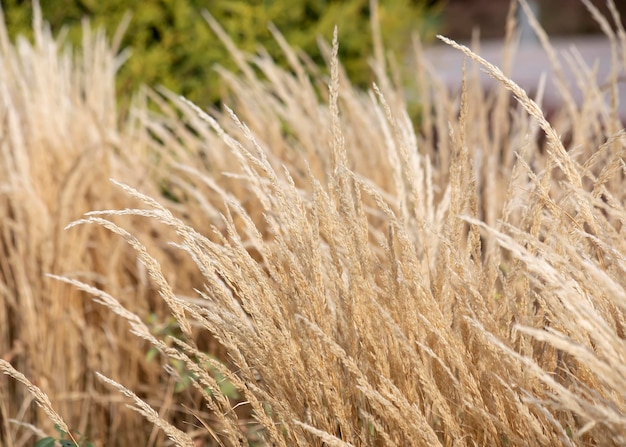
61,432
46,442
67,443
228,389
151,354
181,386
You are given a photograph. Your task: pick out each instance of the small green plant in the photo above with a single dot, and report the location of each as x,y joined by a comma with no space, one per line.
51,441
171,329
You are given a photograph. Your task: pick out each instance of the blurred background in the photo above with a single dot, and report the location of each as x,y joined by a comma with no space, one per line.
558,17
569,24
173,46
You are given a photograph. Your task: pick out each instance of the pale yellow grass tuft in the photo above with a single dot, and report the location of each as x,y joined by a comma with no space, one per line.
373,279
61,139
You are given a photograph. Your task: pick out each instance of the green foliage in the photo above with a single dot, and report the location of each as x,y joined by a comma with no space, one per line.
51,441
170,329
173,46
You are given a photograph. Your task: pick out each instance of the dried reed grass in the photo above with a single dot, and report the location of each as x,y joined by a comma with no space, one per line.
61,140
373,282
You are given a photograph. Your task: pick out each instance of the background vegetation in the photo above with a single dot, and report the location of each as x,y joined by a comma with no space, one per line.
173,46
329,273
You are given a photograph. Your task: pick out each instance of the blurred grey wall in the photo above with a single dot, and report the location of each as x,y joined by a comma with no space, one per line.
558,17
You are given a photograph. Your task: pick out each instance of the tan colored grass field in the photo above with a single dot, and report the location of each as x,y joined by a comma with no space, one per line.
322,270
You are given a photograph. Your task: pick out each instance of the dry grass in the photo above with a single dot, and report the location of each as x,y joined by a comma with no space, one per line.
369,281
61,141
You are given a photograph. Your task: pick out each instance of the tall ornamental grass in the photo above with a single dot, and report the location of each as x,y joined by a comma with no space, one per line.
338,273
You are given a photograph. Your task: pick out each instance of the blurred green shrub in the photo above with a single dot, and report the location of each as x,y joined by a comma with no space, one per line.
173,46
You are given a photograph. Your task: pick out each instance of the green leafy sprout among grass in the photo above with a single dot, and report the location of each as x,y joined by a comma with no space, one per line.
61,439
171,329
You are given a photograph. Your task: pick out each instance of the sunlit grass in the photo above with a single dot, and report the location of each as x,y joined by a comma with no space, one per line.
336,274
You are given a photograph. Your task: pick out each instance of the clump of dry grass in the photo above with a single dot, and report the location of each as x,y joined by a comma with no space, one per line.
372,282
61,140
